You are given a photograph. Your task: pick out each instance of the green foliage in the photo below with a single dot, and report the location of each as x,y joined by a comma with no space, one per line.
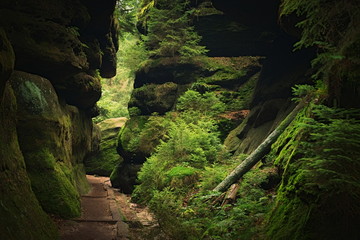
207,103
125,13
319,157
134,111
190,161
303,90
129,135
169,32
189,146
103,163
116,92
332,27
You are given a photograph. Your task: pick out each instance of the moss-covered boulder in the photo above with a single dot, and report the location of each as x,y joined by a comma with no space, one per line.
21,215
129,146
140,136
137,140
159,83
152,98
106,158
124,177
53,139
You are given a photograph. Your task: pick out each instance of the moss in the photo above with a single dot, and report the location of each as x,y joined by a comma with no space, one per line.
129,136
54,181
79,179
21,216
64,199
106,160
319,192
289,212
151,98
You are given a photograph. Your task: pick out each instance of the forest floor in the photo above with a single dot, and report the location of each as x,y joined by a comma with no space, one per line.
108,214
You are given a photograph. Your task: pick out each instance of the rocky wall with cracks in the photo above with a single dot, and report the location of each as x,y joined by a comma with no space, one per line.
51,57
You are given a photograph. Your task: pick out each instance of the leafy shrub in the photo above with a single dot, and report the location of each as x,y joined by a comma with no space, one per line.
207,103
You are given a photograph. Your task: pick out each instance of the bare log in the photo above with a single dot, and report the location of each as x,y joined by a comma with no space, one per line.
230,196
259,152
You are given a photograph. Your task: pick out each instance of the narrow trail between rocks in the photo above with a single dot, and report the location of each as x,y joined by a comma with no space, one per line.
108,214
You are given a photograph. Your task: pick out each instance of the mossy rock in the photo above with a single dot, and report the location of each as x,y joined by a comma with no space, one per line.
260,122
62,12
124,177
45,47
21,215
65,199
166,69
129,140
140,136
54,139
228,72
319,193
82,90
107,158
151,98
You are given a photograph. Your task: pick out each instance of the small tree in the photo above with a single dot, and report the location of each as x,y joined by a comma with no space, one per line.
169,32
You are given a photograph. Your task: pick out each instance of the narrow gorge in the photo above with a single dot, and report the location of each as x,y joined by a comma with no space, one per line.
166,98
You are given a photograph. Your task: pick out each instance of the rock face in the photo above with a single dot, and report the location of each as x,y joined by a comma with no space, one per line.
7,60
51,40
105,158
58,51
49,140
21,215
258,33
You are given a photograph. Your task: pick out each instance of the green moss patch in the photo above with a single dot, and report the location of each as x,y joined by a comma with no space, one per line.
21,216
55,192
319,193
106,160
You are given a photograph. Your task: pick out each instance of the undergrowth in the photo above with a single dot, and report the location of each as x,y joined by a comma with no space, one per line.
176,181
319,194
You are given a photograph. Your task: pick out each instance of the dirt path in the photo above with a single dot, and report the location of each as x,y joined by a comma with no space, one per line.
109,215
100,218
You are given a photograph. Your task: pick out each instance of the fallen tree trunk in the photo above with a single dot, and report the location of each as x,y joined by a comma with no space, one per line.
258,153
230,196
